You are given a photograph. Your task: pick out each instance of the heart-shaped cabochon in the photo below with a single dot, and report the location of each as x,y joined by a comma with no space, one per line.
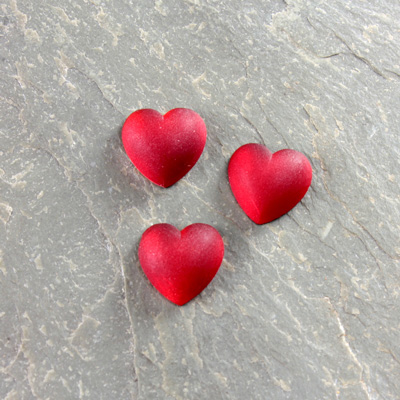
180,264
267,185
164,148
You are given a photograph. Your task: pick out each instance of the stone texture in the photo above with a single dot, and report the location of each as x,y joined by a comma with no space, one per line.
306,307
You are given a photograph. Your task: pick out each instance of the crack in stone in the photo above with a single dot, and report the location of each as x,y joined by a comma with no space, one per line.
310,233
361,58
396,74
106,237
125,280
99,88
131,322
348,347
364,60
334,197
339,322
253,126
21,351
213,208
292,287
305,50
5,370
273,125
393,356
369,252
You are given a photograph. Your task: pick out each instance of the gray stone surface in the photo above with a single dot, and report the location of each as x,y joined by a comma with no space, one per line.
306,307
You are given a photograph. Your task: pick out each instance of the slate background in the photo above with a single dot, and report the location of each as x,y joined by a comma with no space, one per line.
306,307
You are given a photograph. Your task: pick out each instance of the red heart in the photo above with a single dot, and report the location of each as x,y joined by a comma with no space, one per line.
164,148
180,264
268,185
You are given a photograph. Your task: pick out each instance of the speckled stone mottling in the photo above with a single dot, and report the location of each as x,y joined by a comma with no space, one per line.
304,308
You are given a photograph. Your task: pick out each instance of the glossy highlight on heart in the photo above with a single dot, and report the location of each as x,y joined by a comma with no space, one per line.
267,185
180,264
164,148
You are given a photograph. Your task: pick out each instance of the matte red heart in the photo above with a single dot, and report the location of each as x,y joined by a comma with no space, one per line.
180,264
268,185
164,148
